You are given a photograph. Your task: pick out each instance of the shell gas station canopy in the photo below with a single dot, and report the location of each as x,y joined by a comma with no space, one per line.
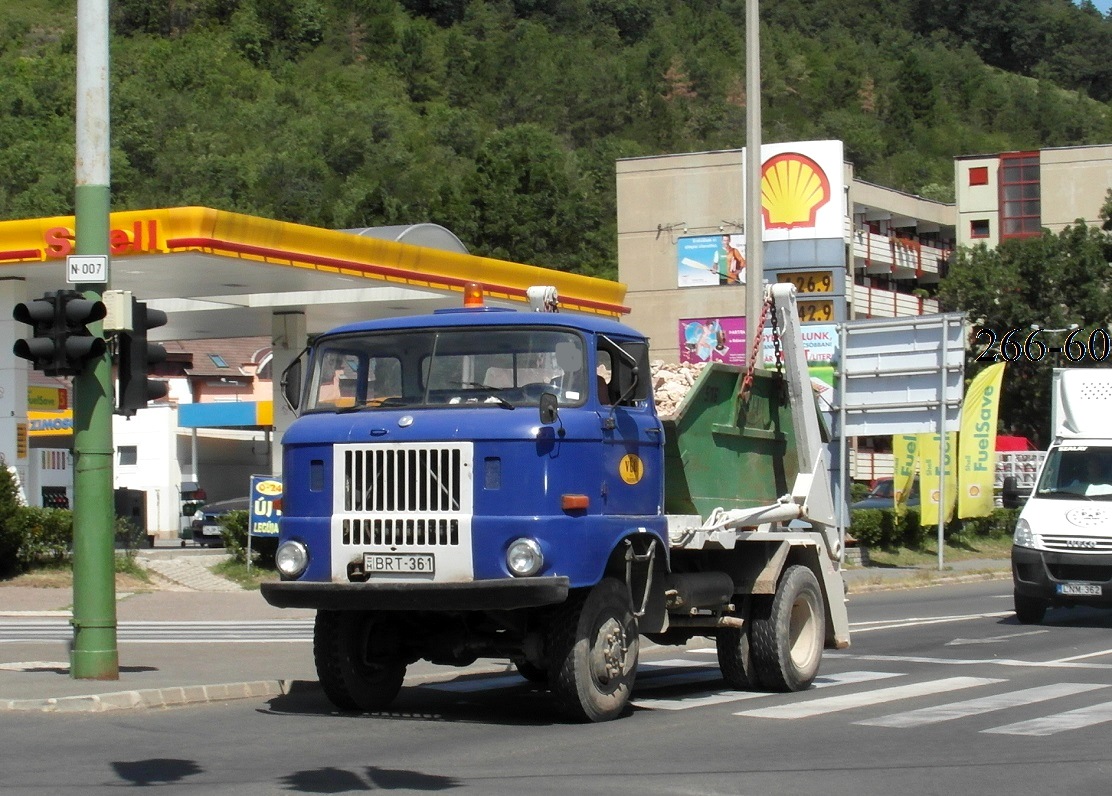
220,274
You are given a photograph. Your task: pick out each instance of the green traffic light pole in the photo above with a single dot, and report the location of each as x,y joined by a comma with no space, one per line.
94,655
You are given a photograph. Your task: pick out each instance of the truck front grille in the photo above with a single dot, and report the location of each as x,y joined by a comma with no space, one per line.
397,532
403,479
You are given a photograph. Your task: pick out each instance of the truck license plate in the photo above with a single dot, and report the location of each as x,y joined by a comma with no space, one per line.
399,563
1080,589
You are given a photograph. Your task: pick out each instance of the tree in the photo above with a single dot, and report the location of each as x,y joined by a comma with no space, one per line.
1051,281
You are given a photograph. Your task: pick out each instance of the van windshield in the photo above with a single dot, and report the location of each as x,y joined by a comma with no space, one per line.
1077,472
475,367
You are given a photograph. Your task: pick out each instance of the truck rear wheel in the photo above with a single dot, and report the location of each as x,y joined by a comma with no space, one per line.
593,645
788,632
735,657
1029,610
357,659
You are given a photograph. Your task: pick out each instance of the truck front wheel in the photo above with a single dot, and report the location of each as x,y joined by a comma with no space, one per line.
788,632
358,660
593,645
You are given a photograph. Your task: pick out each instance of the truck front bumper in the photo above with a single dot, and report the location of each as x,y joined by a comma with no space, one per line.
1063,578
480,595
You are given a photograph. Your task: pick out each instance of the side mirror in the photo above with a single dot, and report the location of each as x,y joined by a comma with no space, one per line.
291,385
1010,493
548,411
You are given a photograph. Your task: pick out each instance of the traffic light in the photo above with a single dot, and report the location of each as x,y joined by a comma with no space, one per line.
62,343
136,358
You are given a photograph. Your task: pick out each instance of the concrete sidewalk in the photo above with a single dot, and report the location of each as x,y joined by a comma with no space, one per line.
35,675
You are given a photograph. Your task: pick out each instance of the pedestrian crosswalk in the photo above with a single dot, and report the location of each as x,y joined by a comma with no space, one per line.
685,684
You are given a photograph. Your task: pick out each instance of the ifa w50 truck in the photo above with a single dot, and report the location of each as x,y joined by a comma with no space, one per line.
490,483
1062,548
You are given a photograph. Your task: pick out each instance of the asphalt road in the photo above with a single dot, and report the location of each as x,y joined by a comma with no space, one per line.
941,692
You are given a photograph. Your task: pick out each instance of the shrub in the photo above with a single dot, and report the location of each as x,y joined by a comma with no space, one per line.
10,536
875,528
46,535
234,527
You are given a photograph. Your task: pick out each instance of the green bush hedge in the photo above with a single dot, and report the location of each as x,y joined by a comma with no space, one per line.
233,530
884,530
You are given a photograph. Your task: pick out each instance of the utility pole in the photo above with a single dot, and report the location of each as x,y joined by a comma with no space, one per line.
95,655
754,224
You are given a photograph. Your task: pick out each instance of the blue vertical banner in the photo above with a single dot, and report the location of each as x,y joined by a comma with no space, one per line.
265,509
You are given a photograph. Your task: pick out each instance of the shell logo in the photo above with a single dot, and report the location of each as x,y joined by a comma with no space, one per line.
974,490
793,188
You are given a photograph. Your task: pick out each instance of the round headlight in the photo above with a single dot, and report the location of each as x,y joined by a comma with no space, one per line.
291,558
524,558
1024,537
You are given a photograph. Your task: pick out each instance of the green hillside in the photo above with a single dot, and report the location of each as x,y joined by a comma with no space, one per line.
502,120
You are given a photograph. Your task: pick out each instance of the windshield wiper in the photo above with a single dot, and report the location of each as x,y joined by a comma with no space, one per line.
373,404
490,391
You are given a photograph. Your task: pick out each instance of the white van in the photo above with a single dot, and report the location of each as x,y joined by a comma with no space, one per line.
1062,548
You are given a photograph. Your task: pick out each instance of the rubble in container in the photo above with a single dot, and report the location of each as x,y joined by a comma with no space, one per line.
672,382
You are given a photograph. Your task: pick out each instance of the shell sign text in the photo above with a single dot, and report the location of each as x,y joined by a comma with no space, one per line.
142,237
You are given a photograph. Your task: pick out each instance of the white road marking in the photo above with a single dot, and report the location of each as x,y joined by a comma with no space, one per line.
1063,664
1061,722
720,697
816,707
958,642
972,707
893,624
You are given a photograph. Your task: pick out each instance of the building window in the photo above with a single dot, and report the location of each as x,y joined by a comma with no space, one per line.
1020,195
129,455
218,360
978,228
978,175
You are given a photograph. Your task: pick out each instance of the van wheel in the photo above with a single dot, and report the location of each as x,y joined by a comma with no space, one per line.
592,647
358,660
788,632
1029,610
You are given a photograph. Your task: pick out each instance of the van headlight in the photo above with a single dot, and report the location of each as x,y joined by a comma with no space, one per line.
524,557
291,558
1024,537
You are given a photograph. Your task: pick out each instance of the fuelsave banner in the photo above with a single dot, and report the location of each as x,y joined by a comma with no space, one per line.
905,452
977,443
931,469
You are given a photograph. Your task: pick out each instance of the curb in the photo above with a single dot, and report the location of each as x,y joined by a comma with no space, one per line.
151,697
924,579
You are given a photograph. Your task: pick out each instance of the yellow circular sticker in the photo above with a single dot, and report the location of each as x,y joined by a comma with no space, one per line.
631,468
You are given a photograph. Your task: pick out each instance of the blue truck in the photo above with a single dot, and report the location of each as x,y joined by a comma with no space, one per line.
491,483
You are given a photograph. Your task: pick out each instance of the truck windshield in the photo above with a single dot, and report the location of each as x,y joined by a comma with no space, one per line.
1077,472
473,367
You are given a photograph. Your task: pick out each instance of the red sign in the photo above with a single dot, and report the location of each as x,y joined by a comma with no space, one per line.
142,237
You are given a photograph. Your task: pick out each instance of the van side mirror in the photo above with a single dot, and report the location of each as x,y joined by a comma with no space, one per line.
1010,494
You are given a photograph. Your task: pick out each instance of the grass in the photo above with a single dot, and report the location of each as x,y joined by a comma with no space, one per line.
237,573
129,576
956,549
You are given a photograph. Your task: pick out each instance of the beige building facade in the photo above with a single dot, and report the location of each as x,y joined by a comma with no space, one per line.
1018,194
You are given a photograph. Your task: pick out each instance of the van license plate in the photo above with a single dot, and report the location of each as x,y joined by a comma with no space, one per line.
399,563
1080,589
